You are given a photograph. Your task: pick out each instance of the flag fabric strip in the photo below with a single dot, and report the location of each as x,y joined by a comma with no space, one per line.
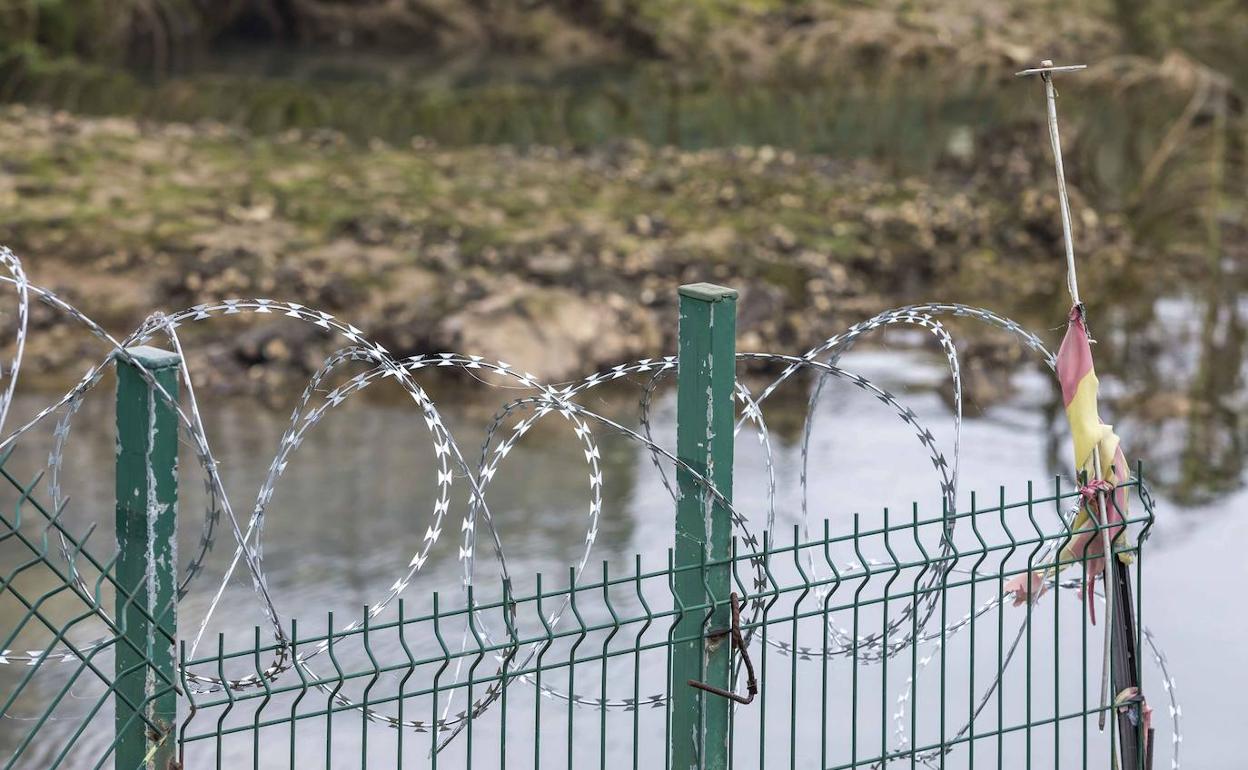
1092,439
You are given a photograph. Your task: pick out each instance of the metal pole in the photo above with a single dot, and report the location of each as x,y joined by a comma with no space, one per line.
147,495
1126,670
704,440
1119,651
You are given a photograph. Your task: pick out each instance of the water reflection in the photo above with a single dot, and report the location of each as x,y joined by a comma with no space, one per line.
1177,385
908,118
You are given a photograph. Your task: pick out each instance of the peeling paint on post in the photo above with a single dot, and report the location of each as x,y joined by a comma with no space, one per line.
704,440
147,496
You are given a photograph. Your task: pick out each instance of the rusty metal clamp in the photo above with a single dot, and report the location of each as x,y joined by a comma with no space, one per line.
738,642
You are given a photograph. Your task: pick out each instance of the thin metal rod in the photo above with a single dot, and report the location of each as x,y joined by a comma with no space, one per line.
738,644
1107,548
1050,96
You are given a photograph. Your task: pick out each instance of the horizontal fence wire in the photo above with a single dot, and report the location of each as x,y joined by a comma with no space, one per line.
853,637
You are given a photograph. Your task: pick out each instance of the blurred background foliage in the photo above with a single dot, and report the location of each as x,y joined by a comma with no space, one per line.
748,35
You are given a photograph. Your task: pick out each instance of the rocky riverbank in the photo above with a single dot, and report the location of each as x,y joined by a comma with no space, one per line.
555,260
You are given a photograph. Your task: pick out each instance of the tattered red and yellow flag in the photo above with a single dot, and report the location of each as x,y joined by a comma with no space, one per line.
1093,441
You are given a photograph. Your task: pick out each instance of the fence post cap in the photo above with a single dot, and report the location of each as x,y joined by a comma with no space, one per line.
707,292
150,358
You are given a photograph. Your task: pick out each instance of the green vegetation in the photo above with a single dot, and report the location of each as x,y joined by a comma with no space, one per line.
749,37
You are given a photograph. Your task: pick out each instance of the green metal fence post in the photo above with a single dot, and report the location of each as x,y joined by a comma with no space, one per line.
147,494
704,440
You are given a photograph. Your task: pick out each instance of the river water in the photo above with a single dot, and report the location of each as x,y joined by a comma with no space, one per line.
355,501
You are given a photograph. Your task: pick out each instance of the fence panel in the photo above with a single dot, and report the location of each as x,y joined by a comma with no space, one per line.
878,645
904,640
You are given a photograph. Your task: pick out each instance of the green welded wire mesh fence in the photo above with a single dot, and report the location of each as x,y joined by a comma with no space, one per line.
56,593
830,624
896,641
989,683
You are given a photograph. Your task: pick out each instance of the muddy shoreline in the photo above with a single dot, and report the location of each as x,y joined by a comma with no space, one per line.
557,260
